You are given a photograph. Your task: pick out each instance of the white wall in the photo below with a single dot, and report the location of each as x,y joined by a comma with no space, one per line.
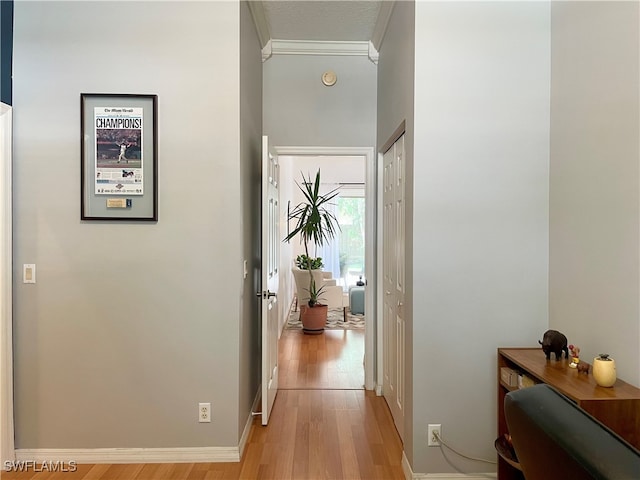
594,184
480,213
130,324
334,169
300,110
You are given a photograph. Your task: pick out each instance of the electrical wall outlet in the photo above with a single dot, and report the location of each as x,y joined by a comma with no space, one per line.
434,433
204,412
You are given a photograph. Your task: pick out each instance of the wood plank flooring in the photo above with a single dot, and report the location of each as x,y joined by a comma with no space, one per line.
331,360
323,425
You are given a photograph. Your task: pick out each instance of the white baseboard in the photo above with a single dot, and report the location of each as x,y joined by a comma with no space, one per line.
131,455
249,424
409,475
285,320
406,467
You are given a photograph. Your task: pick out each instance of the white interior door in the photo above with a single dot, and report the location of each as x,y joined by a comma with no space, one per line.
269,281
393,281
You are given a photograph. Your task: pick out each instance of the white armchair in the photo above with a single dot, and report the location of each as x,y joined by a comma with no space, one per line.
331,294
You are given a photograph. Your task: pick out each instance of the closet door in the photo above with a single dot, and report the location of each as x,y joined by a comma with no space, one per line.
394,281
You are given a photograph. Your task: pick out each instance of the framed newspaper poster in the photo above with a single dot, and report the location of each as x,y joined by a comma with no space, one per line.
119,157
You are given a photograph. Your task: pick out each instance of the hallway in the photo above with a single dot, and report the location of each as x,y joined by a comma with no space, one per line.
324,425
325,434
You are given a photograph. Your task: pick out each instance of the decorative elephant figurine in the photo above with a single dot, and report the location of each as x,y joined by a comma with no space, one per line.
554,342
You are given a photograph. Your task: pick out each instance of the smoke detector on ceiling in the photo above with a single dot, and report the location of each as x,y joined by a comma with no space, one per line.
329,78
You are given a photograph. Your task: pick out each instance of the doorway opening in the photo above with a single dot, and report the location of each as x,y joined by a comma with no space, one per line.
358,192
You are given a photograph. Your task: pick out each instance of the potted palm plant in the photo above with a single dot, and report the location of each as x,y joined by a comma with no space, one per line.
316,225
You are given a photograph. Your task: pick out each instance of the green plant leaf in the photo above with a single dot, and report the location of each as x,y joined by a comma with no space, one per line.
313,222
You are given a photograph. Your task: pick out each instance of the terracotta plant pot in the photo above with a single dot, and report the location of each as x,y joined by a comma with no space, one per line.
313,319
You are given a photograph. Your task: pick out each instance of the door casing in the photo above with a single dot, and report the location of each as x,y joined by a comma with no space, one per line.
7,451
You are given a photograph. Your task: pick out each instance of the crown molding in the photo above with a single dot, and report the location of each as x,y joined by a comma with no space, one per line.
373,53
380,28
317,47
267,51
260,22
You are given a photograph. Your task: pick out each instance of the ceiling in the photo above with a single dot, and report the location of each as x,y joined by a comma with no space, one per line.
324,27
314,20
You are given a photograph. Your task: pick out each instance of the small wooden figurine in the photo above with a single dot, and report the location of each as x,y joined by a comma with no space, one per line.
575,356
583,368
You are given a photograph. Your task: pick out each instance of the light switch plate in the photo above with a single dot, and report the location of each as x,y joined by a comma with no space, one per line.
29,273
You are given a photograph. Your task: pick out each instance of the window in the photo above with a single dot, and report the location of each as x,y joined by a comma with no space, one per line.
351,239
344,255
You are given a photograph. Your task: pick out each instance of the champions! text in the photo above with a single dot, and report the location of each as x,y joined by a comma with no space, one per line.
118,122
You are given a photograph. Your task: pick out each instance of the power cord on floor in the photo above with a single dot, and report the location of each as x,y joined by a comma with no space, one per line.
442,442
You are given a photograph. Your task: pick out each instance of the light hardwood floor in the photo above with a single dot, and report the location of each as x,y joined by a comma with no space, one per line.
331,360
323,425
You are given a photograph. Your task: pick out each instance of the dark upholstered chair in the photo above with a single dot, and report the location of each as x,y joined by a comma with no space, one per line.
555,439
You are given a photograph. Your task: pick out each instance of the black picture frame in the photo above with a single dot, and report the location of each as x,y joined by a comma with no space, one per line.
119,157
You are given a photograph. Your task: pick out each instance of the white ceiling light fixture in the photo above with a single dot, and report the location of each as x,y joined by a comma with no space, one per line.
329,78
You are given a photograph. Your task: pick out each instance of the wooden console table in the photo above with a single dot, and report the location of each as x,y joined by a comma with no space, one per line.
617,407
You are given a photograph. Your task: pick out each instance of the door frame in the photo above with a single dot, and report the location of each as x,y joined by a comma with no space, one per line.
7,450
370,330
